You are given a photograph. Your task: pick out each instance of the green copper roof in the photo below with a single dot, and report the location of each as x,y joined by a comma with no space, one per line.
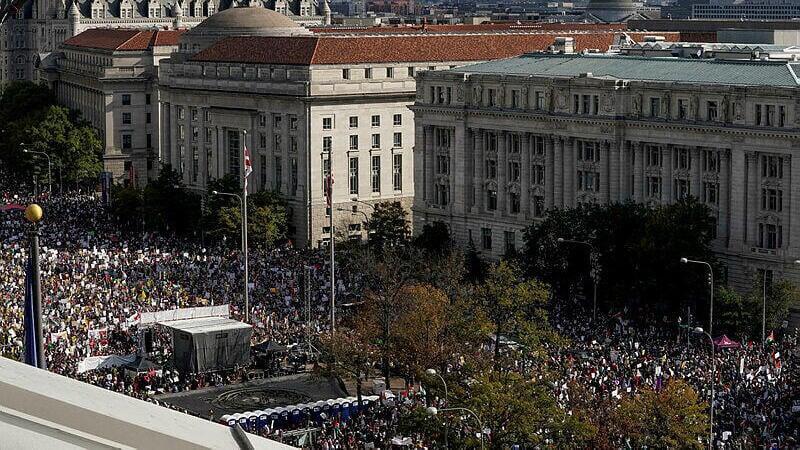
681,70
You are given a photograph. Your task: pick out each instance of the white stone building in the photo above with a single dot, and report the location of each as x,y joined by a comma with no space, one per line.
40,26
522,135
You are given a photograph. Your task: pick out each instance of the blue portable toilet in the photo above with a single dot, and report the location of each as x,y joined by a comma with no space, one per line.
243,422
345,405
263,418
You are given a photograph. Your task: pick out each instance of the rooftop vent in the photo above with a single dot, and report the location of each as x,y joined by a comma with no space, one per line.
654,39
564,45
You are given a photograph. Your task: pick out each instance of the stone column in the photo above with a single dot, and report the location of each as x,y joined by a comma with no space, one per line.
638,171
605,171
666,175
791,189
724,231
480,166
502,174
614,165
458,169
549,177
525,176
558,178
695,181
737,199
569,172
752,202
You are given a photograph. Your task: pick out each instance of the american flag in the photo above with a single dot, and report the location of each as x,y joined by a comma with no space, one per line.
248,167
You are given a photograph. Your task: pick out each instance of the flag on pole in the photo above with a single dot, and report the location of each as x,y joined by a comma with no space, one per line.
329,188
29,321
248,166
771,337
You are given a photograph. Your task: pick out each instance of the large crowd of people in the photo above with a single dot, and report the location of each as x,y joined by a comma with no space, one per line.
95,278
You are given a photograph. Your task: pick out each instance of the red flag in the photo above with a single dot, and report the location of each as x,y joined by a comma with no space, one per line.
248,167
329,189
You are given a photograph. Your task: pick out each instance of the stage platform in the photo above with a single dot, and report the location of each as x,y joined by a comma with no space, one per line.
257,394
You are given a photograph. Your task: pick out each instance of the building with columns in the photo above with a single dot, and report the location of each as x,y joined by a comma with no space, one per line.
310,103
39,27
540,131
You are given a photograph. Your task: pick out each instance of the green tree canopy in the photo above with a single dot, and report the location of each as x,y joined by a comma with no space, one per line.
388,226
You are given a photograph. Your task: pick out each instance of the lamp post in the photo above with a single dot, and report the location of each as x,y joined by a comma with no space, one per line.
700,330
432,410
34,339
49,173
434,373
593,271
711,283
244,251
764,310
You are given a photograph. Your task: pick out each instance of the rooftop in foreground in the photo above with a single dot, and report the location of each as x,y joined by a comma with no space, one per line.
39,409
667,69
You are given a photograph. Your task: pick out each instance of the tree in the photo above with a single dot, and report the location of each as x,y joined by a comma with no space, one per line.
169,205
267,219
349,351
435,237
520,411
421,338
736,313
388,226
671,418
780,297
128,207
511,302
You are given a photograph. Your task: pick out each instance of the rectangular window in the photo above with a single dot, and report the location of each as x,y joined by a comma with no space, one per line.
586,105
654,156
234,152
411,71
538,145
576,104
326,170
538,97
486,238
759,114
126,118
442,165
376,121
683,109
770,236
770,115
515,99
327,144
397,172
208,116
353,142
514,202
710,193
682,160
514,172
149,140
278,173
293,144
126,100
390,72
293,122
655,106
262,169
397,120
711,111
711,161
327,123
491,97
353,176
262,140
376,174
262,120
781,116
127,141
491,169
146,99
538,206
194,114
491,200
771,166
376,140
681,188
510,241
368,73
654,187
181,132
398,140
353,121
442,194
277,143
277,120
293,175
148,117
772,199
537,174
345,74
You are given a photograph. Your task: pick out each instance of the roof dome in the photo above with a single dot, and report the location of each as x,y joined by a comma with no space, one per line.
611,10
246,19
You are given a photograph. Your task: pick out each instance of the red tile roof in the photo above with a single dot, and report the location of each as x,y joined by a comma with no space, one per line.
120,39
398,49
463,28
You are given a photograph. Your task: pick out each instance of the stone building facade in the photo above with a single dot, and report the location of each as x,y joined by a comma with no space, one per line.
500,143
40,26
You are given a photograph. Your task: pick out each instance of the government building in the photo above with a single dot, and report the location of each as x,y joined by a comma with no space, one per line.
305,102
500,143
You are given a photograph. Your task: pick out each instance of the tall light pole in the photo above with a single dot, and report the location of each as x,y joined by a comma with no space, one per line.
711,283
49,172
593,271
764,310
700,330
244,251
432,410
434,373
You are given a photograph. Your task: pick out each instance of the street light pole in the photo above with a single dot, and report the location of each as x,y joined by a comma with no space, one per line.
711,282
593,269
434,411
49,172
433,372
329,194
243,208
699,330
